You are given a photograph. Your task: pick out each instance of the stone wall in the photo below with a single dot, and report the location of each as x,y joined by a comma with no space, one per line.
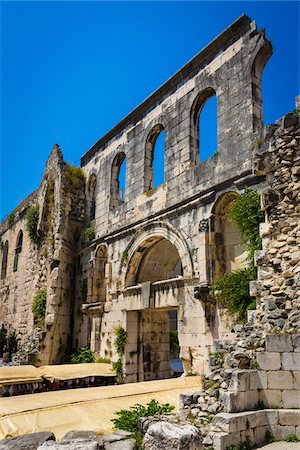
49,265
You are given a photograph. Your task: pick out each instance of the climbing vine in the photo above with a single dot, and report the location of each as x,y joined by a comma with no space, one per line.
119,344
32,218
75,175
246,216
39,308
89,234
233,288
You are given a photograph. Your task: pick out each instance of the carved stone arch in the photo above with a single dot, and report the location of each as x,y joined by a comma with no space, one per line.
198,100
151,234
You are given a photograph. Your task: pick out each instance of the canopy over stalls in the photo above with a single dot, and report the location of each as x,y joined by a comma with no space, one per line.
71,371
19,374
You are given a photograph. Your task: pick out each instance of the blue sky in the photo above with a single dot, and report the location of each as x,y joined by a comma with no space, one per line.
71,70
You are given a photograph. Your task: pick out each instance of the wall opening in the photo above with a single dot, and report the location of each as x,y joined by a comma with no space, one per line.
118,180
18,250
4,261
204,126
97,291
256,77
92,196
154,158
228,253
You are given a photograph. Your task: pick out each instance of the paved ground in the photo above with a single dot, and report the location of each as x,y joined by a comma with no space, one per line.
282,446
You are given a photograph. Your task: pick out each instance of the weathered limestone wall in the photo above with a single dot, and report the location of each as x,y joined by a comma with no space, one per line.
49,265
183,215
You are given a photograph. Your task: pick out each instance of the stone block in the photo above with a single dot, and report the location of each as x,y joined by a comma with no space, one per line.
268,360
296,375
291,399
279,343
247,436
27,441
262,380
296,342
259,434
271,398
280,380
291,361
240,381
289,417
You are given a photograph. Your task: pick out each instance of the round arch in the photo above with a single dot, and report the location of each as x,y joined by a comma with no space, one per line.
149,237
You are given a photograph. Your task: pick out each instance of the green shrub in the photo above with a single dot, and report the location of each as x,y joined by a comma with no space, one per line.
269,437
39,308
89,234
9,342
128,419
32,218
103,360
233,289
120,340
246,214
75,175
83,355
119,344
292,438
174,343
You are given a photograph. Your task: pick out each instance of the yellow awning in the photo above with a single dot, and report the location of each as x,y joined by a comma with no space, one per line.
73,371
85,409
19,374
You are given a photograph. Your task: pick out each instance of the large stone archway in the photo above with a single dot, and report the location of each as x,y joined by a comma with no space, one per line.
154,294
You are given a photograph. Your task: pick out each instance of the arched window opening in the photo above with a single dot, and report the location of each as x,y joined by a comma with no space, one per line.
227,243
154,158
92,195
18,250
118,184
256,76
204,132
98,276
4,261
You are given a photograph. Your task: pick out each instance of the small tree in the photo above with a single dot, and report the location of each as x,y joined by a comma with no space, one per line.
32,218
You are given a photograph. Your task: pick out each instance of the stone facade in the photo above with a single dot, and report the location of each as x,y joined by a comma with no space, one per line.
152,252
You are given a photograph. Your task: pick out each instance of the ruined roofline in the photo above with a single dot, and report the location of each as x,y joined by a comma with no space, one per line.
239,27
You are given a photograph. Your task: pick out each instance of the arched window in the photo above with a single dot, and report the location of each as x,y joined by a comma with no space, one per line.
92,196
228,253
18,250
204,126
4,261
154,158
118,180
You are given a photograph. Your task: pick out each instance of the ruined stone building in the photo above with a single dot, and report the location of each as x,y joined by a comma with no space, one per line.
146,256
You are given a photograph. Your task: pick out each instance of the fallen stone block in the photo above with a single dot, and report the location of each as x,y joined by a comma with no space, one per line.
163,435
26,441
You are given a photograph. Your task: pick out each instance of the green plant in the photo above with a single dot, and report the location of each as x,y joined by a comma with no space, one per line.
9,342
233,289
174,342
31,223
246,444
39,308
246,214
232,447
89,234
83,355
259,405
120,340
269,437
292,438
125,255
74,175
11,218
128,418
103,360
83,291
119,344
